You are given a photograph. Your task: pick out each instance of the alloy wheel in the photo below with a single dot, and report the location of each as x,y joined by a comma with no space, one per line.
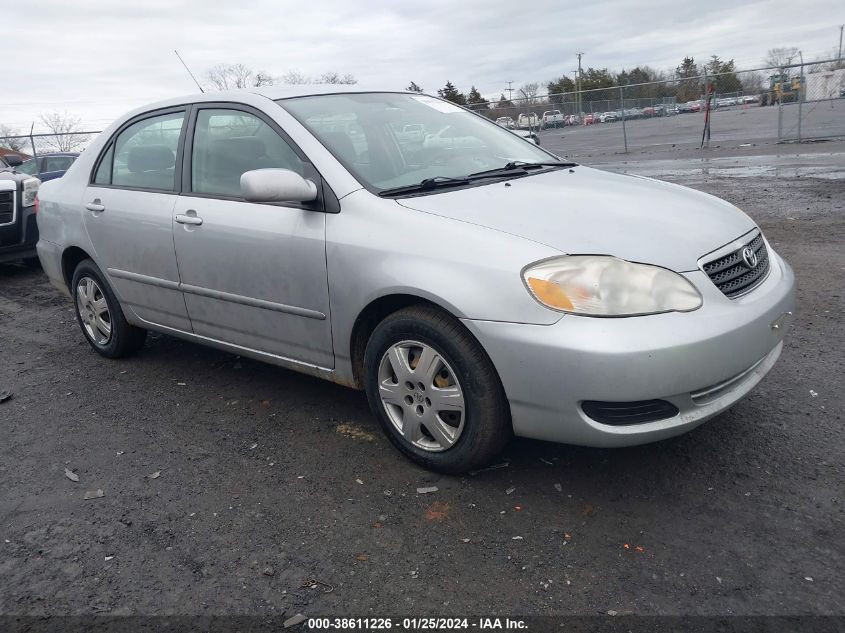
421,395
93,311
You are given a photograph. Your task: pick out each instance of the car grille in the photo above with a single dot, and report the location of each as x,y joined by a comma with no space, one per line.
733,276
7,207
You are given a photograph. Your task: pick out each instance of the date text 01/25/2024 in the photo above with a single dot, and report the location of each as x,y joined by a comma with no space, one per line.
416,624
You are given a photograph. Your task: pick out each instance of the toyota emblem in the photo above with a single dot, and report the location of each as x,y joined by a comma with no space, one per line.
749,257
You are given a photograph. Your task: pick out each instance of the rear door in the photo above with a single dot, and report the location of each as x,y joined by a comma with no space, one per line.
129,215
253,275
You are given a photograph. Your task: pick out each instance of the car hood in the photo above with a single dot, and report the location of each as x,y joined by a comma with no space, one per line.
588,211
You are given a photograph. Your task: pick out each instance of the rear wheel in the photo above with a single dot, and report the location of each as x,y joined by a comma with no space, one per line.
435,391
100,316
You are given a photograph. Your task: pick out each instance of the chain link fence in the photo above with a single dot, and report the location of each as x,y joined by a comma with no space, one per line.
798,102
41,145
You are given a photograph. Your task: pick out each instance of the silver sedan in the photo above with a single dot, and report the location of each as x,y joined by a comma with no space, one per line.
472,284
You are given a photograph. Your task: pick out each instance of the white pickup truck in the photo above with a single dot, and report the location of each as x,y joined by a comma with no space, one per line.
552,118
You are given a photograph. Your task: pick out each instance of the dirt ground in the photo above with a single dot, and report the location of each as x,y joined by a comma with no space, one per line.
277,494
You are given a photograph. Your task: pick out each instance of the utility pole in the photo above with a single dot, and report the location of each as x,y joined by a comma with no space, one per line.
839,57
575,104
580,83
510,91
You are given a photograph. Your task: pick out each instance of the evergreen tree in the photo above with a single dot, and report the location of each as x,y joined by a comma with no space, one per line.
413,88
687,87
475,101
724,78
450,93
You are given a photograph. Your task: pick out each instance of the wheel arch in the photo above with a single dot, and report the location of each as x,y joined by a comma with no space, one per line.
71,258
370,316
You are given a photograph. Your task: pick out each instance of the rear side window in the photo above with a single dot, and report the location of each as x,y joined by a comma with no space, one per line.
58,163
145,154
228,143
103,175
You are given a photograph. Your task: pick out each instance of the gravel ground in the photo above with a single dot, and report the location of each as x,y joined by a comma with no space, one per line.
278,494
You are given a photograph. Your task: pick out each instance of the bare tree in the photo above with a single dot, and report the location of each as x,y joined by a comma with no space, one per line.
780,57
234,76
263,79
332,77
6,140
529,92
295,78
65,130
753,83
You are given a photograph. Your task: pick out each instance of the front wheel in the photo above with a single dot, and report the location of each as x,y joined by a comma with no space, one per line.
100,316
435,392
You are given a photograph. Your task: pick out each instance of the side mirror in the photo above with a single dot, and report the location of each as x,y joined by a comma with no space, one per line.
276,185
13,159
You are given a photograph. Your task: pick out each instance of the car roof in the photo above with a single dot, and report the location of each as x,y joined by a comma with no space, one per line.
270,92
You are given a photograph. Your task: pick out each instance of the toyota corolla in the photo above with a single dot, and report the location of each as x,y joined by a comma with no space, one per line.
475,287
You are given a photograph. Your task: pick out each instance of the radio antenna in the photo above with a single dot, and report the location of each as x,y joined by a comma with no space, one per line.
189,70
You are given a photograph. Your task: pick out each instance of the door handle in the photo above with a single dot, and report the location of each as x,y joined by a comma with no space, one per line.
188,219
95,206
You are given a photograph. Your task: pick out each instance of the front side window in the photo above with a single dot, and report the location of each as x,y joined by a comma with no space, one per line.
228,143
28,167
145,153
392,140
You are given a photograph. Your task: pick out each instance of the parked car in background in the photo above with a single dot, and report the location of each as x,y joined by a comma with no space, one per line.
450,137
608,117
528,121
690,106
528,134
413,133
543,299
506,122
588,119
48,166
552,118
18,206
649,112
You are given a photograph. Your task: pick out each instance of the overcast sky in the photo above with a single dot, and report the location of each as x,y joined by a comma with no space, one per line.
97,59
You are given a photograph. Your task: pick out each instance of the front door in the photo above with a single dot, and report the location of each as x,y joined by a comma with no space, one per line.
128,213
253,275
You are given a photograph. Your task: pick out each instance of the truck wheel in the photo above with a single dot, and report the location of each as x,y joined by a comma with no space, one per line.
434,391
100,316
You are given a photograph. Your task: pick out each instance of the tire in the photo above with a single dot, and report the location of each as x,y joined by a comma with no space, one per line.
482,428
123,339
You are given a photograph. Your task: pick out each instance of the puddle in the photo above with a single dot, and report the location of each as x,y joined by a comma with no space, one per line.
826,166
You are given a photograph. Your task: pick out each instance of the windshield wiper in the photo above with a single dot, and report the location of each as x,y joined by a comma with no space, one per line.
520,165
426,184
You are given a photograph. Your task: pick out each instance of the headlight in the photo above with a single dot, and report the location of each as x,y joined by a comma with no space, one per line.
30,190
596,285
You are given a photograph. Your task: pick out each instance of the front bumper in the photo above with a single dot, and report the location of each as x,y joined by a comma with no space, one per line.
702,362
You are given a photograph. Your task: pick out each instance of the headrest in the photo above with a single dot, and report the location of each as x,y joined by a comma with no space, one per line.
341,144
240,147
150,158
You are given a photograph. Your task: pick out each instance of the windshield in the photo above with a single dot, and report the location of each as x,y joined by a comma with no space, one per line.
392,140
